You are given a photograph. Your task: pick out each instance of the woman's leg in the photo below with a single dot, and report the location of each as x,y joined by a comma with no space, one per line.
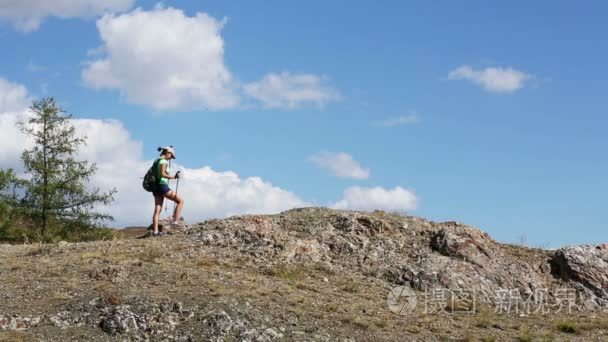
177,214
158,206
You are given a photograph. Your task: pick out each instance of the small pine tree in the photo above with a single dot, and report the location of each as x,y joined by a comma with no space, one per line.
56,190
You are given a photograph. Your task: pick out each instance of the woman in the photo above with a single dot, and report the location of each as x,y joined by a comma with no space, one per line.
163,191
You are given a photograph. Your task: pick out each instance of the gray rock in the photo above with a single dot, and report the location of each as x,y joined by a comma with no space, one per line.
585,266
459,241
404,250
17,322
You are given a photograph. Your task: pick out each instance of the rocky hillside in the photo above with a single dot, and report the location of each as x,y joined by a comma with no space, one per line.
306,274
415,252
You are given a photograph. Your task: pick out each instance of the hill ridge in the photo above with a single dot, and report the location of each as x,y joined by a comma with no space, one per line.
304,274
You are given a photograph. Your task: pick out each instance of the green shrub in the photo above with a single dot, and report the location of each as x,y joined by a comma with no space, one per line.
16,229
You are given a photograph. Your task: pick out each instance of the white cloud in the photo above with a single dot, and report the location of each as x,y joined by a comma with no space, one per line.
13,106
340,164
27,15
208,193
167,60
121,165
497,80
286,90
218,194
409,119
377,198
164,59
13,97
12,140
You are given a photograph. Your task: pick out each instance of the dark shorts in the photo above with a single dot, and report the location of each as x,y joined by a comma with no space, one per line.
161,190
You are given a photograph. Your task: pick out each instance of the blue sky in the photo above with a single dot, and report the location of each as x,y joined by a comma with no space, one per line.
493,114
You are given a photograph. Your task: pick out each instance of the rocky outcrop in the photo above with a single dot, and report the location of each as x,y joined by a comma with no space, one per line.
406,250
221,326
305,272
584,267
143,320
462,242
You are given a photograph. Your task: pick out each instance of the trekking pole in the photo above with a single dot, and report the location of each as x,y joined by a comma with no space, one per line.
176,189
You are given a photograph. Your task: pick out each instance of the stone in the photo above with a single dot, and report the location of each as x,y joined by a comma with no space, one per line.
586,265
396,248
462,242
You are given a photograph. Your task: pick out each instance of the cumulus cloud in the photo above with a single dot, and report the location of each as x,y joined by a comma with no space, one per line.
408,119
208,193
13,97
219,194
121,165
164,59
167,60
13,142
14,101
27,15
496,80
286,90
340,164
377,198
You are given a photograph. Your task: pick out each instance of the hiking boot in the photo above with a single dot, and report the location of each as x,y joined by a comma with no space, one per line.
179,225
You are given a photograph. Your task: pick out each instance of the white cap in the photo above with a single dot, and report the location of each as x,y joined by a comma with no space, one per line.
169,149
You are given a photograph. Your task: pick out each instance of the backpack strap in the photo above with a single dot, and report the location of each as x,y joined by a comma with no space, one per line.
157,168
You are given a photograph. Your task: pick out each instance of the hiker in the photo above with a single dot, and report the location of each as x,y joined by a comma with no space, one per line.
163,191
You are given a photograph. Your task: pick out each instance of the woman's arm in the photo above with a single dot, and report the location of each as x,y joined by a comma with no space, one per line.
163,172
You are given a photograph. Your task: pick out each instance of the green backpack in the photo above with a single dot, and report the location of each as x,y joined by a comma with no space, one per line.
152,177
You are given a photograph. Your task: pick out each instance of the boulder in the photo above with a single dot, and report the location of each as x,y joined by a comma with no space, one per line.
462,242
586,264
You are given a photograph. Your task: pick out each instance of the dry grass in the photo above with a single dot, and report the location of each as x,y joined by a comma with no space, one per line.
525,334
325,269
90,255
13,336
152,253
293,295
381,323
40,250
594,324
485,318
568,327
284,271
305,287
332,307
355,321
413,330
350,288
206,262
